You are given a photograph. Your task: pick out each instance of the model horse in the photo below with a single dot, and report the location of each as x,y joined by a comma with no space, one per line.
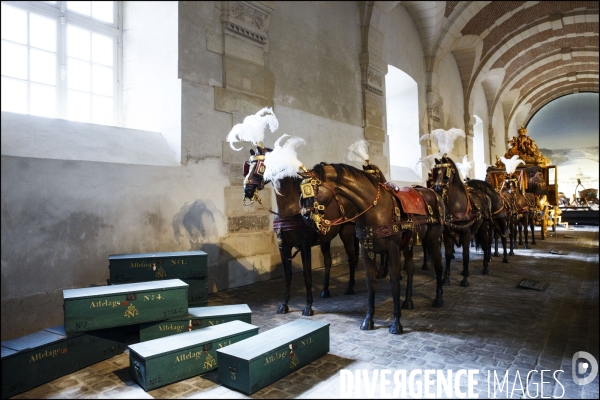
501,214
292,232
511,186
468,214
389,219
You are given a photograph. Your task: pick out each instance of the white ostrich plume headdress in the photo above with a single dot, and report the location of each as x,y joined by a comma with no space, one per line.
464,167
428,161
444,139
283,161
511,164
253,128
358,152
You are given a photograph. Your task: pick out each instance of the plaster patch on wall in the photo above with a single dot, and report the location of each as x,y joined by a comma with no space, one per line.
195,224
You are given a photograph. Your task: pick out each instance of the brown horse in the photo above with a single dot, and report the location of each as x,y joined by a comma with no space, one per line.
468,214
292,232
511,186
501,214
383,224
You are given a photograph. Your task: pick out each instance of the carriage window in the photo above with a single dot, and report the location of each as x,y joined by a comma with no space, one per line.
61,60
551,176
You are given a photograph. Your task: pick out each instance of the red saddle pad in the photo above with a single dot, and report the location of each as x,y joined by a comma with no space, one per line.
411,201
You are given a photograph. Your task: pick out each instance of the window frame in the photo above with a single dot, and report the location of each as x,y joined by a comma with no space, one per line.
65,16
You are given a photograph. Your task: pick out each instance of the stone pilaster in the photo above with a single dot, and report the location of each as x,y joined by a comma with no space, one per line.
469,123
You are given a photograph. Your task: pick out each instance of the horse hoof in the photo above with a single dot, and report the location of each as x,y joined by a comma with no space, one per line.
367,325
349,291
325,294
438,303
526,247
308,312
512,253
464,283
424,267
485,271
396,329
534,242
505,261
496,254
283,309
446,282
408,305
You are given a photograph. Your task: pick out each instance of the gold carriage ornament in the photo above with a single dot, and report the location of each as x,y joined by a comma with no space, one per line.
526,148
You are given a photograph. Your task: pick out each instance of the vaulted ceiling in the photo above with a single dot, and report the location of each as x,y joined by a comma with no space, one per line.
524,53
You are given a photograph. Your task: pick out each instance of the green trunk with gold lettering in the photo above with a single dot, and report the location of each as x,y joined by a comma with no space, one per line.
40,357
159,362
257,362
101,307
197,318
157,266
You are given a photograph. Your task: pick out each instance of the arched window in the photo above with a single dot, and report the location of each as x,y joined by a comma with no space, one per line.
403,126
478,150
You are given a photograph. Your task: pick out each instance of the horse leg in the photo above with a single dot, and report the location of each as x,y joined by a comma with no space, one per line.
484,239
382,271
466,238
409,263
532,225
434,240
306,269
503,236
286,260
526,229
496,254
326,251
393,256
520,225
370,272
513,236
350,245
448,249
425,254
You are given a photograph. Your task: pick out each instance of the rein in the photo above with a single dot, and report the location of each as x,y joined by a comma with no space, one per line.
310,188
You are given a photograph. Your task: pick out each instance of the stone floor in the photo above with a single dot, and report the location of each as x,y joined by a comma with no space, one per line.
492,326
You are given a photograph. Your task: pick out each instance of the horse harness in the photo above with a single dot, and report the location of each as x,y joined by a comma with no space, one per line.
403,226
452,218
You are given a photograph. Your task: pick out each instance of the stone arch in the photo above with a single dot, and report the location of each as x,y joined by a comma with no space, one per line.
559,93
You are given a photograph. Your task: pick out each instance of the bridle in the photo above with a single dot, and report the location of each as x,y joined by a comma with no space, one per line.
254,171
309,190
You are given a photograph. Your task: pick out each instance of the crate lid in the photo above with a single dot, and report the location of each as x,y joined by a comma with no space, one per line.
124,288
186,340
157,255
254,347
7,352
32,341
219,311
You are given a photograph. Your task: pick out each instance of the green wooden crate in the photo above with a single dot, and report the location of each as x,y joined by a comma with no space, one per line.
158,362
156,266
40,357
257,362
100,307
197,291
198,318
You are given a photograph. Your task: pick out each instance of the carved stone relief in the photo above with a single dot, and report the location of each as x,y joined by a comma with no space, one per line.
247,20
374,81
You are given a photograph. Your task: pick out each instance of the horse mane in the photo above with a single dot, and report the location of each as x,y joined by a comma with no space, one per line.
340,169
450,161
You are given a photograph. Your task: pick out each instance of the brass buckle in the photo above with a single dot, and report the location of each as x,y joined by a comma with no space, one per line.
307,190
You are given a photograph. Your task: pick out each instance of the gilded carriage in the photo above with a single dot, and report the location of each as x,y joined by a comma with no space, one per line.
537,176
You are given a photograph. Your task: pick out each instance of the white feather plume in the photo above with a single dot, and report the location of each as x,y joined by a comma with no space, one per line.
253,128
358,151
464,167
444,139
511,164
428,161
283,161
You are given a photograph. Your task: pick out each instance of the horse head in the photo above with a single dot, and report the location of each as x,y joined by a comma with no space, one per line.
254,170
443,175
